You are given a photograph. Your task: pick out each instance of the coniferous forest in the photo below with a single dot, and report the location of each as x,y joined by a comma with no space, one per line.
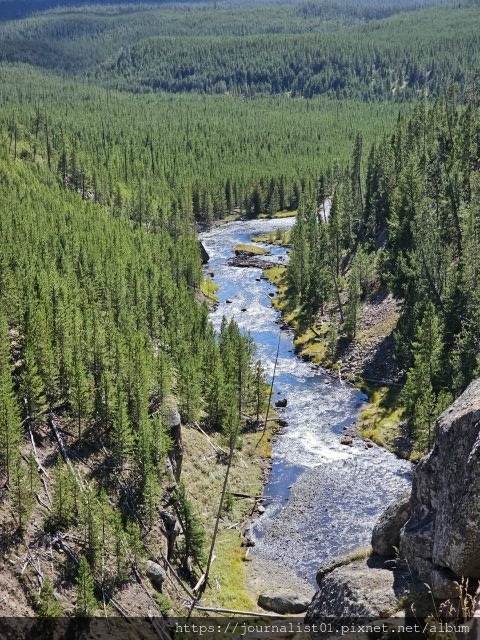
132,432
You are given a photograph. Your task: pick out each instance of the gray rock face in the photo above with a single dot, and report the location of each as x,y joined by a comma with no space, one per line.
283,602
203,253
367,589
328,567
436,530
173,420
442,534
156,574
386,533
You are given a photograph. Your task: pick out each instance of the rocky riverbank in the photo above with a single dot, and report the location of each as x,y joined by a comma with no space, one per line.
367,361
426,546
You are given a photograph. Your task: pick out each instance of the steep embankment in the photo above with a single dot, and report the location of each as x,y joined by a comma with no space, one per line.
101,341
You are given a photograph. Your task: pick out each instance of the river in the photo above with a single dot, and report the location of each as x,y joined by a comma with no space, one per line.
324,497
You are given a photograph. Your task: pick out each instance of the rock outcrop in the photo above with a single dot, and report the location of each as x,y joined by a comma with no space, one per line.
434,531
250,261
156,574
203,253
365,589
386,533
285,602
441,539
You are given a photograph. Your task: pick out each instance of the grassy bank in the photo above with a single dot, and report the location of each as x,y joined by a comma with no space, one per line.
381,419
209,289
278,215
204,474
251,249
278,237
311,342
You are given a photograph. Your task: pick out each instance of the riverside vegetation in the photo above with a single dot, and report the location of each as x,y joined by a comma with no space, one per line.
406,224
119,130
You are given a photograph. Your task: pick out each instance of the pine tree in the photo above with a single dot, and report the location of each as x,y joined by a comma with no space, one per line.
419,394
39,331
33,389
120,547
352,308
79,390
63,496
47,605
121,435
213,388
10,424
259,390
86,603
22,492
194,534
90,523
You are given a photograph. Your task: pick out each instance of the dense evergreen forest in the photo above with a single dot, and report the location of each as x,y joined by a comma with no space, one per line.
341,50
372,62
102,320
411,227
123,126
342,10
208,155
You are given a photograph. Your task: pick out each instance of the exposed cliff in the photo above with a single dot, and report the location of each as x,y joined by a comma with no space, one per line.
441,539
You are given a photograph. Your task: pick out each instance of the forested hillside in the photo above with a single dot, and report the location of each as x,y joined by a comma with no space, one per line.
101,339
130,431
373,62
343,50
208,155
410,227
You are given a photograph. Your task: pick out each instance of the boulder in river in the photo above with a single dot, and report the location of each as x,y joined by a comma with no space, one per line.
248,541
203,253
283,602
281,403
348,440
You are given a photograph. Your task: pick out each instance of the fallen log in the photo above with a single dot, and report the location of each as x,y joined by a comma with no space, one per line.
256,614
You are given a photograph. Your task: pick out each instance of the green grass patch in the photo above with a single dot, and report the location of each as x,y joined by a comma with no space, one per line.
380,420
250,248
209,289
203,476
228,571
278,237
278,215
276,275
315,345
